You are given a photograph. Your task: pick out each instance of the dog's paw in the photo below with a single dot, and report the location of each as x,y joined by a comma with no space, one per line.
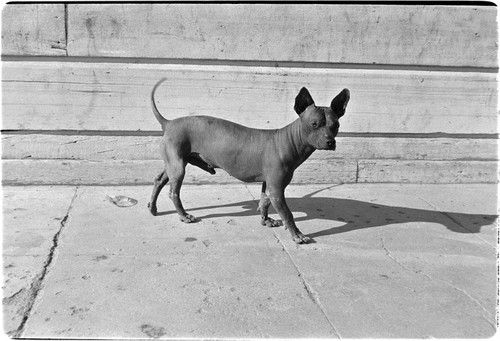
188,218
301,239
152,209
269,222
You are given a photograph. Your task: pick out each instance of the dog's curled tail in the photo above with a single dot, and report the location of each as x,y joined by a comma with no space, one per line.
158,116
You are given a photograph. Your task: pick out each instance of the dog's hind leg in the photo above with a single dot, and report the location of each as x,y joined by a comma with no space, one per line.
159,182
176,171
263,209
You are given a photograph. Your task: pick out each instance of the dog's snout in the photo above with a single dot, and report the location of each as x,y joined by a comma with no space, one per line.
330,143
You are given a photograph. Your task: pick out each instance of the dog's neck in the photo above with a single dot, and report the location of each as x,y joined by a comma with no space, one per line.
298,148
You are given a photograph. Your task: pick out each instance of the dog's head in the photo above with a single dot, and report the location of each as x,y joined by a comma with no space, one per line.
320,125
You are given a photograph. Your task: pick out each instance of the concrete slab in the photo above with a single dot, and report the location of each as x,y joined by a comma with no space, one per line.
31,218
121,272
390,259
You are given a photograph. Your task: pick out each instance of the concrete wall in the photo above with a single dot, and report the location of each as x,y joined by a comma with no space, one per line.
77,78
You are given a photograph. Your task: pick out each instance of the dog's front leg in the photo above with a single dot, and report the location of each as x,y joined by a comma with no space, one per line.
277,197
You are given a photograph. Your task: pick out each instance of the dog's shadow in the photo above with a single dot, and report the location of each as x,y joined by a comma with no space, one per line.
355,214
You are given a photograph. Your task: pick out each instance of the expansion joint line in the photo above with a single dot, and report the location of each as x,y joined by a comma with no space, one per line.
66,27
485,314
37,283
311,293
447,215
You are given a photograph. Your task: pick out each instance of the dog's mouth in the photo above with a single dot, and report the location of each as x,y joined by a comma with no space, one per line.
329,145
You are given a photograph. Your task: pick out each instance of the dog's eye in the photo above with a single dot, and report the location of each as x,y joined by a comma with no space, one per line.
314,124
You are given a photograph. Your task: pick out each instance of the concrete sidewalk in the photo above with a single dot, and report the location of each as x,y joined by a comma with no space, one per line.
388,261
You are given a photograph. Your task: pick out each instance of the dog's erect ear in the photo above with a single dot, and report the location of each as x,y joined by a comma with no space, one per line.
339,103
302,101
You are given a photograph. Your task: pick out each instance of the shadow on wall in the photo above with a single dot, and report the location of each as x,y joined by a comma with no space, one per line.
358,214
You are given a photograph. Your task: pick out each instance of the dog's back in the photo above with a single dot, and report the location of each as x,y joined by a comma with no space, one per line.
220,144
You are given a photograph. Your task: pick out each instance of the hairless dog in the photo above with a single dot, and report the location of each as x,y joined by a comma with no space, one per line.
250,155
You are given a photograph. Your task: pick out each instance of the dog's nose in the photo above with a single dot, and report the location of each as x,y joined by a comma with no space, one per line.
330,143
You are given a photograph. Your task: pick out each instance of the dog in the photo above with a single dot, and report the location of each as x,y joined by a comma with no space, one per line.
269,156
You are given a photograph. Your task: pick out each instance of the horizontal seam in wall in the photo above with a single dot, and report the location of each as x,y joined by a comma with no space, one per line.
159,133
249,63
202,183
329,159
479,3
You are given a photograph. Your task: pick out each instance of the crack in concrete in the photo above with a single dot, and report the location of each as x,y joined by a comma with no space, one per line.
391,256
429,277
37,282
14,297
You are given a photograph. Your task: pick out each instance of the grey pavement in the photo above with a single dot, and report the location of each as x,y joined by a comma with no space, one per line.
388,261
